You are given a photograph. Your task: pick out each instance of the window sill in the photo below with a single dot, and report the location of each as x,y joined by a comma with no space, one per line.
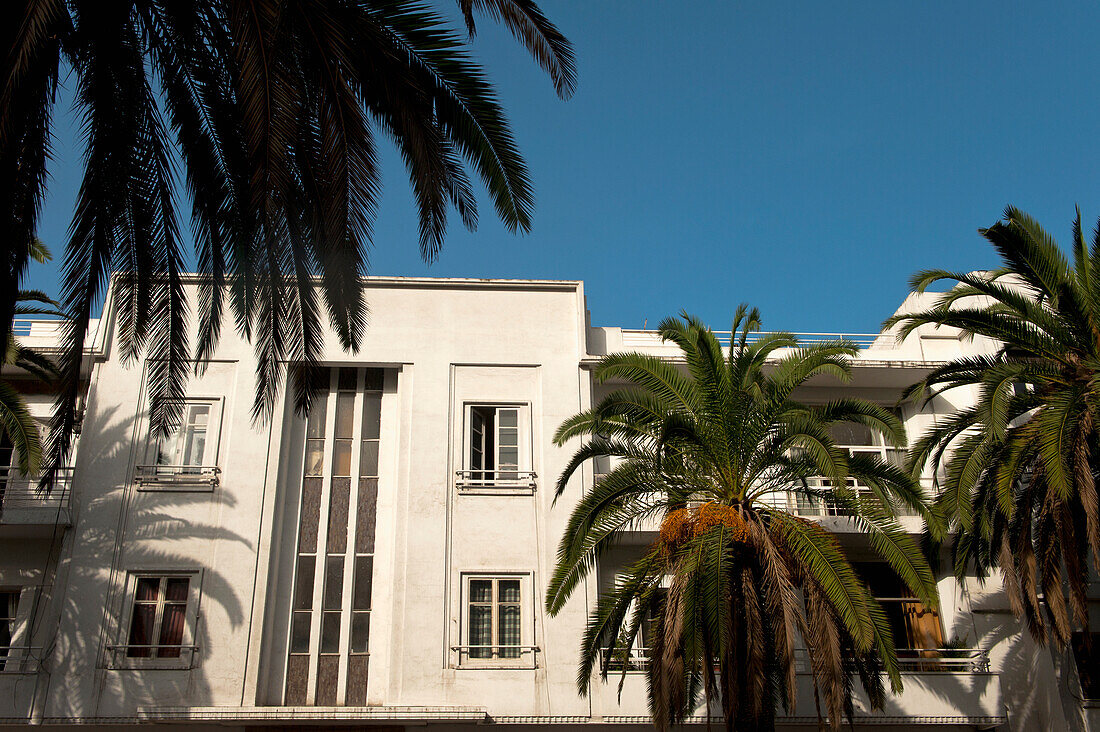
526,661
489,489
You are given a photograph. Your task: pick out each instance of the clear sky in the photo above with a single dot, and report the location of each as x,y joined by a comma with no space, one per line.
803,157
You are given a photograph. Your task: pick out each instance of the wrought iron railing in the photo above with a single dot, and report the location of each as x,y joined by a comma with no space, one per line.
135,656
910,660
167,476
505,478
18,491
506,655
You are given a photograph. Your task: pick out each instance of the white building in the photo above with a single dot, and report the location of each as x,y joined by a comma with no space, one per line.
384,563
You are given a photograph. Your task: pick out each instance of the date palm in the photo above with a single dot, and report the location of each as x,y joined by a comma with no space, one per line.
1020,464
713,452
272,109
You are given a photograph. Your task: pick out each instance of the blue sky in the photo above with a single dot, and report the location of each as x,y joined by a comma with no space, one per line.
803,157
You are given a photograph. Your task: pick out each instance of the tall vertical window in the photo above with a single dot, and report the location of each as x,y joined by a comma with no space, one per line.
158,617
916,628
496,444
9,603
330,614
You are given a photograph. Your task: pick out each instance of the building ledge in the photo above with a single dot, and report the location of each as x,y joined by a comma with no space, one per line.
290,715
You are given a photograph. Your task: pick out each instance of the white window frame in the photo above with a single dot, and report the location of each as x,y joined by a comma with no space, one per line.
474,479
117,653
527,655
151,476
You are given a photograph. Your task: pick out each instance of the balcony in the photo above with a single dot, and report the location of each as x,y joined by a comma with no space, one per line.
27,510
942,685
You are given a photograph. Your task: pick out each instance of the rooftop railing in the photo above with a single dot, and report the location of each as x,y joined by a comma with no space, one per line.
632,337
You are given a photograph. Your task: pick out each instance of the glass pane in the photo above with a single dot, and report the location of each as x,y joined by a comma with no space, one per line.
363,568
509,438
509,590
338,515
141,631
481,631
199,414
481,590
171,630
848,433
175,589
372,415
372,380
330,632
508,632
148,589
341,458
334,583
303,588
311,510
315,457
365,517
299,633
360,632
194,446
345,411
368,461
509,457
508,417
348,378
318,411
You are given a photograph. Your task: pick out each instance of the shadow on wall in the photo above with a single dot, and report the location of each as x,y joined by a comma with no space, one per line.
117,530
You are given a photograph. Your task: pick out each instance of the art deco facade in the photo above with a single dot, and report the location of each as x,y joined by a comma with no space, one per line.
384,561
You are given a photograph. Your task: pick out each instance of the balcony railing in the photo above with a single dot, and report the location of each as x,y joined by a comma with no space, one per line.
20,659
131,656
20,494
476,656
910,660
167,477
491,479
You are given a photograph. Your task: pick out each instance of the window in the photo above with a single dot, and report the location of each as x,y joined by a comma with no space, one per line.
1086,654
494,611
916,628
188,455
328,654
158,617
497,449
492,628
9,604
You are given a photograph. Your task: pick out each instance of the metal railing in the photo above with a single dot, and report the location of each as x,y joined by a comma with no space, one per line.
135,656
506,478
18,491
20,659
166,476
910,660
491,656
638,337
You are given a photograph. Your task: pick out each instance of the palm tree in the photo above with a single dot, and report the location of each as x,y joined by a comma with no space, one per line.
1020,464
273,108
713,453
16,422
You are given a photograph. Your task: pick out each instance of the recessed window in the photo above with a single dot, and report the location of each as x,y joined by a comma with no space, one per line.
496,446
1086,655
187,457
158,624
493,633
